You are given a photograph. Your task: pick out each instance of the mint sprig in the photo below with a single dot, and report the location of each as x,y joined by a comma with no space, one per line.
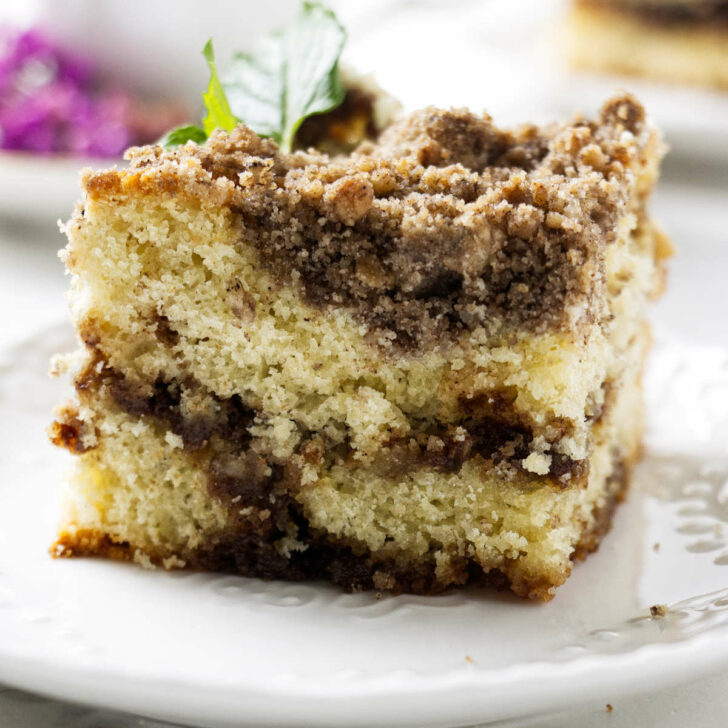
292,75
218,114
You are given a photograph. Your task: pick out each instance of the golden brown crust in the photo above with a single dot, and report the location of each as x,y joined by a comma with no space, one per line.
69,431
87,542
591,538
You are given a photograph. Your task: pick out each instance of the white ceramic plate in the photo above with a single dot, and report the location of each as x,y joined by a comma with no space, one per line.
221,651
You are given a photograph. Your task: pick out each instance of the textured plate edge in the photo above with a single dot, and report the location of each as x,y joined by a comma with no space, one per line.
462,697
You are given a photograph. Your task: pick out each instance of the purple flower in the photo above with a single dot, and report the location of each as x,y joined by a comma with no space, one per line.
50,100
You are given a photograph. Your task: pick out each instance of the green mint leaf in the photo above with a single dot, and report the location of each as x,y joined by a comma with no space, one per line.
312,83
254,87
182,135
292,75
218,115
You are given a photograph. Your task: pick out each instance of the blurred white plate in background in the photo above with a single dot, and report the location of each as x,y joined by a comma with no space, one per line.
41,187
155,47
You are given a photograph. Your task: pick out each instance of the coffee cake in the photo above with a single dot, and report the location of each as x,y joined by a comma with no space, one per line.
407,368
678,41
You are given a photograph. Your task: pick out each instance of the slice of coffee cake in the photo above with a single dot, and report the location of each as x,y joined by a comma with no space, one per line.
408,368
678,41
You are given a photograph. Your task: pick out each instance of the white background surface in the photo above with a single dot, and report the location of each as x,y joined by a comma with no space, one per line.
31,296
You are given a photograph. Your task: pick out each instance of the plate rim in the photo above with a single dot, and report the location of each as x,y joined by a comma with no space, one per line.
464,695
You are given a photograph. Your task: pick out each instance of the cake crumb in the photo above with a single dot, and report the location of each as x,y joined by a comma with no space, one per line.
658,610
174,440
656,546
537,462
609,708
173,562
143,560
383,581
469,659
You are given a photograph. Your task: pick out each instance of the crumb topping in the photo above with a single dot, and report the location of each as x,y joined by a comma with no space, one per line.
446,223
